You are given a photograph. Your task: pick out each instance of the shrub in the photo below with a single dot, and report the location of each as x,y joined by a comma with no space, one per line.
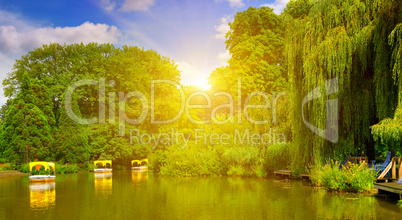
191,161
353,177
67,168
237,170
3,160
24,168
119,167
198,160
89,166
7,166
277,157
244,161
157,160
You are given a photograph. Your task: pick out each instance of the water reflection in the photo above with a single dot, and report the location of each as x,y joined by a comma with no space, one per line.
139,176
103,183
344,206
150,196
42,195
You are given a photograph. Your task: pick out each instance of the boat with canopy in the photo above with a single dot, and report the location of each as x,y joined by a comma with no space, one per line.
37,174
139,165
103,166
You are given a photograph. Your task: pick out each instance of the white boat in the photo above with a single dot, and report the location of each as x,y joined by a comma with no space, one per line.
49,167
42,178
103,170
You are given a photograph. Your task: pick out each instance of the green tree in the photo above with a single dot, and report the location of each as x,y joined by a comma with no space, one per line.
256,43
71,138
26,131
57,66
298,8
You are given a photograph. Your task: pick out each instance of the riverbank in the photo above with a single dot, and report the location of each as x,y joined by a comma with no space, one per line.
7,173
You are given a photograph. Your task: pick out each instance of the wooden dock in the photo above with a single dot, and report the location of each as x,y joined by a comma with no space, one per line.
283,173
391,187
288,174
305,176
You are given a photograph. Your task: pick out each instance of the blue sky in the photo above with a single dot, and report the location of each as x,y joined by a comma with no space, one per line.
189,32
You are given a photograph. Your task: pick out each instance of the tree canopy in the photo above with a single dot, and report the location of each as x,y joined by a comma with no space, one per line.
353,42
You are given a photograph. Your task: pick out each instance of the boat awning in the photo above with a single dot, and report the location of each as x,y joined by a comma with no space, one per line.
39,164
139,161
103,162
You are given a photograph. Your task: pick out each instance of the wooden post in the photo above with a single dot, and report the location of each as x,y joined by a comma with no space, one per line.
400,167
393,168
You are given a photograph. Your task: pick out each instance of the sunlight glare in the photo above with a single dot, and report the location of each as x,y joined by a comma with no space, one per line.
193,75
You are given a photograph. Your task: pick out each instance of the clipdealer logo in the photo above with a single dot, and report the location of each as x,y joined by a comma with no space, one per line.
330,132
147,108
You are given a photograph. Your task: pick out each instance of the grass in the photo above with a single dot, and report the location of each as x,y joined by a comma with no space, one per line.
399,203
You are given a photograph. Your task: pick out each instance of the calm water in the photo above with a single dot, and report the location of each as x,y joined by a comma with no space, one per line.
127,195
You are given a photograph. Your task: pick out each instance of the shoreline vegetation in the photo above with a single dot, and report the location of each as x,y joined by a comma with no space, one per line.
350,178
78,103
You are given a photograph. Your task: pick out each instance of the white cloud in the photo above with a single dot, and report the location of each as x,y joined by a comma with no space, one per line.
191,74
233,3
7,18
278,5
137,5
16,41
128,5
223,58
108,5
6,65
223,27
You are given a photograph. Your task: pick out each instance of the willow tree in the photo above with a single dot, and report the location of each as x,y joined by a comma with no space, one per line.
389,130
347,41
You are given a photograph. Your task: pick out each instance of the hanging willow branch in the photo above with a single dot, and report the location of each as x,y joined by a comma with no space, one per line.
359,43
389,130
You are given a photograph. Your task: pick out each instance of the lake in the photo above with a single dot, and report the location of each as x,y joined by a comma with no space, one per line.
129,195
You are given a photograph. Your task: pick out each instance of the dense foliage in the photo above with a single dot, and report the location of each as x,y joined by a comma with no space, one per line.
355,43
346,53
349,177
38,124
27,130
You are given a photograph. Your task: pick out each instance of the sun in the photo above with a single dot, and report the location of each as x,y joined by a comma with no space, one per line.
191,74
203,84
